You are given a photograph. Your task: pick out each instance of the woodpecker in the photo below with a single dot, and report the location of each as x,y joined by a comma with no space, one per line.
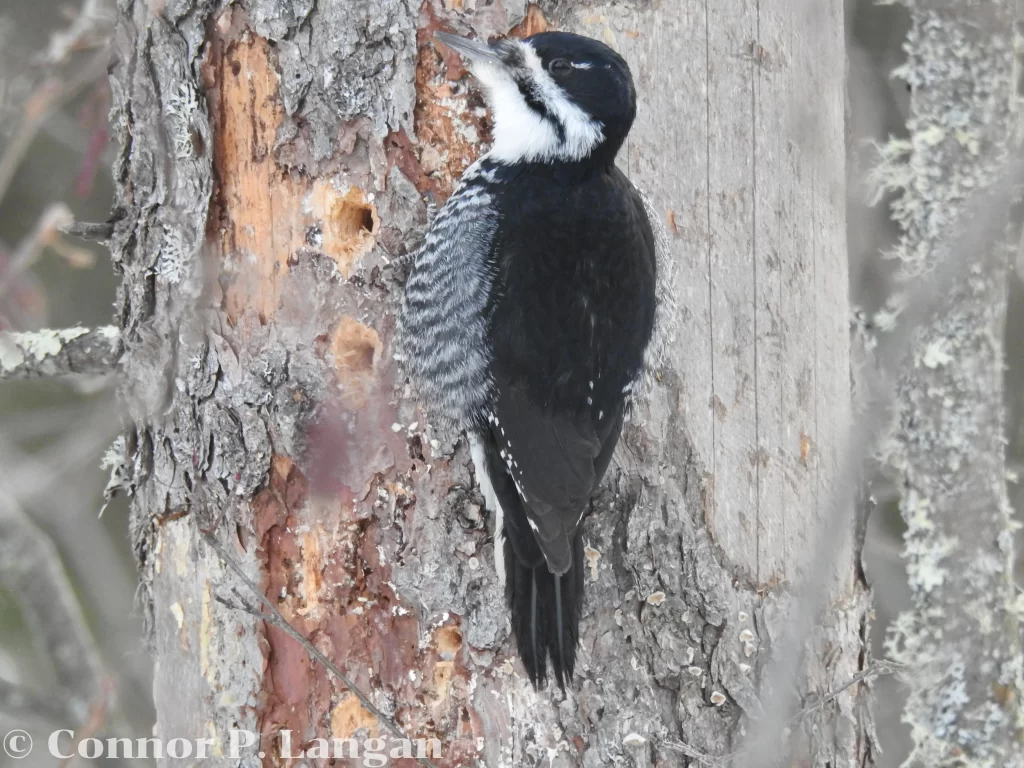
528,312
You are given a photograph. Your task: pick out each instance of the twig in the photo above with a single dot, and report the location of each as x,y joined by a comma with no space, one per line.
49,96
700,757
31,571
274,618
50,352
877,668
96,232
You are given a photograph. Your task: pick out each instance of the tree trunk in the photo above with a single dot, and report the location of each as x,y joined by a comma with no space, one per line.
962,638
273,160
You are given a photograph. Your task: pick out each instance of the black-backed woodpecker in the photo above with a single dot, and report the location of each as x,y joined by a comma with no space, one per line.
528,311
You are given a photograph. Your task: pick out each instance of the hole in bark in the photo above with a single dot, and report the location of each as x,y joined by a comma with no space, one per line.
448,641
367,224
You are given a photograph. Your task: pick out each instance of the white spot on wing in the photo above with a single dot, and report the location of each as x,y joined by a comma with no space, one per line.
476,452
499,544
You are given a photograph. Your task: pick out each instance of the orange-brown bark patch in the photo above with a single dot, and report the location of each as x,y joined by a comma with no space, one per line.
447,123
356,349
349,716
261,213
532,24
448,641
325,574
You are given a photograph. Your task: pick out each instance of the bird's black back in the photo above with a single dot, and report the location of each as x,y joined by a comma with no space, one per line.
570,314
575,248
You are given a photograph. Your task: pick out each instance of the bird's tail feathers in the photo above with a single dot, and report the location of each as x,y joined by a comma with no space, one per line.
546,613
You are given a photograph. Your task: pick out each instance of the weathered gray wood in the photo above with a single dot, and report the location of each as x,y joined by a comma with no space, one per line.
774,239
267,177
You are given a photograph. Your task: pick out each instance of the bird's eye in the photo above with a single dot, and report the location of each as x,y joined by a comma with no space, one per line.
559,66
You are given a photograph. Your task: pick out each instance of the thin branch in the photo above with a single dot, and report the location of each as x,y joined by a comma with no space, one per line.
100,232
49,352
31,571
877,668
49,96
273,617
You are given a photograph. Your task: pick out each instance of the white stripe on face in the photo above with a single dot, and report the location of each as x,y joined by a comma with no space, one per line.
523,134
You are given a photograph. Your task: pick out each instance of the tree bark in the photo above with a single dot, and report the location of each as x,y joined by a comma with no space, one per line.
273,160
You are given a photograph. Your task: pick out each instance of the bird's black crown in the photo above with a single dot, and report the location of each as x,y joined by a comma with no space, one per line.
595,77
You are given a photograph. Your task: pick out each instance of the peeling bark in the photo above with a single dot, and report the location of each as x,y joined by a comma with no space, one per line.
273,161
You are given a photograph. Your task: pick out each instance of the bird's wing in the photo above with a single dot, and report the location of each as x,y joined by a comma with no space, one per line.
555,460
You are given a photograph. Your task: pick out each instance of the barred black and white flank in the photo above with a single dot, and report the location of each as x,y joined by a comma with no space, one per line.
530,309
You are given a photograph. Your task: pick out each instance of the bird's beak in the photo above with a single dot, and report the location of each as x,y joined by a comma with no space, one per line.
474,50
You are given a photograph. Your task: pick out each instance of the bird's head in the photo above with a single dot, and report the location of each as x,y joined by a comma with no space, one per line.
554,97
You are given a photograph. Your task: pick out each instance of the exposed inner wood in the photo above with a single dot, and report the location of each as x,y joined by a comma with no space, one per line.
263,214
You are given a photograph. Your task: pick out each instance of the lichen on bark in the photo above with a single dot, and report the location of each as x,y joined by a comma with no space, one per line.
962,637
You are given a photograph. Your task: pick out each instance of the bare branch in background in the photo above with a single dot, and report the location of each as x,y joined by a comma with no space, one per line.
26,477
46,481
90,28
49,96
31,572
51,220
49,352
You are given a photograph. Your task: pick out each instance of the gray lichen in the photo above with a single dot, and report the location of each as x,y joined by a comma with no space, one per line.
55,352
961,640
